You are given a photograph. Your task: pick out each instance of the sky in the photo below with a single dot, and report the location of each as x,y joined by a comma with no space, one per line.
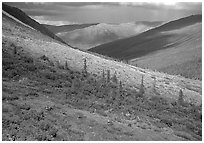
61,13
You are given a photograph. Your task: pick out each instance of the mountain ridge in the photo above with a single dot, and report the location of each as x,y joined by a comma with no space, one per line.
123,48
101,33
65,28
20,15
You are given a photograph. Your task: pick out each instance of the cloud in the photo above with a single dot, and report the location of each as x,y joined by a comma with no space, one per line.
91,6
165,5
190,5
108,12
47,20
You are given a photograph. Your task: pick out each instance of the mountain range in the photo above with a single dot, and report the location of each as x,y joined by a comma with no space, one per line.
90,36
176,42
53,91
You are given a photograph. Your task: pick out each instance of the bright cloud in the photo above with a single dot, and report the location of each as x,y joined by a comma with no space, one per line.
46,20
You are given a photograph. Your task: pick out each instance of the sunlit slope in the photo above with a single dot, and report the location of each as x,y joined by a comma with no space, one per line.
38,44
183,57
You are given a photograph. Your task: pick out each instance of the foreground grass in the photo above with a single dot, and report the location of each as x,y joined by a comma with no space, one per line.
45,102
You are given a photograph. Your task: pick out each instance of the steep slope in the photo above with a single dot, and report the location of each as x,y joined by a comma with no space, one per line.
21,16
102,33
41,100
147,42
130,76
66,28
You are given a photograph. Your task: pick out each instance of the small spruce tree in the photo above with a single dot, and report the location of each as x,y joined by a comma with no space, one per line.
85,68
120,90
141,91
103,76
66,66
180,99
114,78
120,86
154,85
108,76
14,50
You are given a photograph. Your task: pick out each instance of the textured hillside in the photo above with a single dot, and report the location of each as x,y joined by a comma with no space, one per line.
166,85
181,56
102,33
42,99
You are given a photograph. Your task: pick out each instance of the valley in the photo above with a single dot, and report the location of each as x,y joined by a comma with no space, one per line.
54,92
177,43
94,35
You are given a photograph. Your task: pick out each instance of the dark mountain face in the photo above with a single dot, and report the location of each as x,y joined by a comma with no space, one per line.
150,23
67,28
146,42
20,15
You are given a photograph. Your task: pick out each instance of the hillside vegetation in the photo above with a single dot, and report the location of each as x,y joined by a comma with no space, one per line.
40,45
42,100
51,91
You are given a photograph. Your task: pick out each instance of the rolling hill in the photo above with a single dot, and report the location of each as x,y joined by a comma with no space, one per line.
21,16
177,42
43,100
91,36
146,42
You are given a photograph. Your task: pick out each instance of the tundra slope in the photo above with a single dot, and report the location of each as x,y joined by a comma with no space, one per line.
43,102
37,44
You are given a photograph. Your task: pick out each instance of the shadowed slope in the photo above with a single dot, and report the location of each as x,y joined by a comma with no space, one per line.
66,28
146,42
21,16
